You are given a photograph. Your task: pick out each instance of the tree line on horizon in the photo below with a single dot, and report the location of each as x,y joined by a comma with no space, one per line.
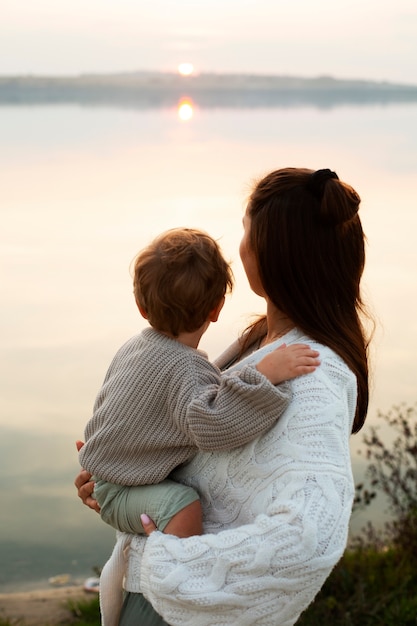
158,89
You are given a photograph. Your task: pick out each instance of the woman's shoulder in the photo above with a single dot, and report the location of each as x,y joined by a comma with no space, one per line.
331,385
331,365
328,356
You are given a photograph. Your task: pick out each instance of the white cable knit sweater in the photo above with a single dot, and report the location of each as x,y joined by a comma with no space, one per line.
276,514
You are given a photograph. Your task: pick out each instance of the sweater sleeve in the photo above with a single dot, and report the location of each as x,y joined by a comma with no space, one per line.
261,573
233,412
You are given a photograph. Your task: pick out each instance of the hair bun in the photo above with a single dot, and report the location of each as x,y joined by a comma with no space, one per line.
337,204
318,180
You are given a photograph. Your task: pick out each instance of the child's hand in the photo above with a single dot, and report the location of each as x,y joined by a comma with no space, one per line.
288,362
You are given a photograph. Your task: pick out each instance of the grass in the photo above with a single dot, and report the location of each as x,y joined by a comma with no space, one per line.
370,588
85,612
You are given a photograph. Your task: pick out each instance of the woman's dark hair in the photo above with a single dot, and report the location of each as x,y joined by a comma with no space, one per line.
310,247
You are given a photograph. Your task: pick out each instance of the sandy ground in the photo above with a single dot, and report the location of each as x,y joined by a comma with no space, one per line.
40,608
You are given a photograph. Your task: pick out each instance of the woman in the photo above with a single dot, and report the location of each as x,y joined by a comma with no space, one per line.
277,510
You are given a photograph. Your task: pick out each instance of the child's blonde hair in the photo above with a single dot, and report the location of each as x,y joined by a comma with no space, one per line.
179,279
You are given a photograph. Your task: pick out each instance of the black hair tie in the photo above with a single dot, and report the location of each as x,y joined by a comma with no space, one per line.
317,182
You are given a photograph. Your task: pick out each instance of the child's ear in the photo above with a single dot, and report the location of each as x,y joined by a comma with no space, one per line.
142,311
214,314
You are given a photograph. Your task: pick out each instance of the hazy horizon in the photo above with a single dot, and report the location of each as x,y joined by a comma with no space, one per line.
220,73
262,36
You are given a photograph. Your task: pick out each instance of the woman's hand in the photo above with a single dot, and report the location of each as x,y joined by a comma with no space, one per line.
147,523
85,486
186,523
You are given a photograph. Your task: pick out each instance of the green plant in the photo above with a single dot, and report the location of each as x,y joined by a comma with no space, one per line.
393,471
375,583
369,588
85,612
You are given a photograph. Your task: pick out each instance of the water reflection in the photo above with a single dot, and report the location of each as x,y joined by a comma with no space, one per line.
83,189
185,109
43,532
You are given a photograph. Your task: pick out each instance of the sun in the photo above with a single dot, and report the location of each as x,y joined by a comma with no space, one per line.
185,109
185,69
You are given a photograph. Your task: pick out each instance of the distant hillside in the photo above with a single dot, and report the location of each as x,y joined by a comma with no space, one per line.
152,90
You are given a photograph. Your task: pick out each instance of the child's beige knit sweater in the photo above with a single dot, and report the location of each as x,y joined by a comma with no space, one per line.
161,401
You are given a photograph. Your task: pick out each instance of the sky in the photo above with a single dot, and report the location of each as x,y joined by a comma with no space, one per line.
366,39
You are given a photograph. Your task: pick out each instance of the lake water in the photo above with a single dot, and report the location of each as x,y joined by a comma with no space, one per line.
83,189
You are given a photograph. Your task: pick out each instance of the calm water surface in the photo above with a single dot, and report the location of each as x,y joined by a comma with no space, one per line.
83,189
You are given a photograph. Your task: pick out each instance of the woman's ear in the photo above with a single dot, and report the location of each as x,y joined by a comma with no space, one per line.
214,314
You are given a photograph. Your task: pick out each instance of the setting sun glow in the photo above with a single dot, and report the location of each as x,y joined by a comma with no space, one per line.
185,69
185,109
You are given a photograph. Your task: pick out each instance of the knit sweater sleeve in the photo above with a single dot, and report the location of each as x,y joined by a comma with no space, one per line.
231,411
285,501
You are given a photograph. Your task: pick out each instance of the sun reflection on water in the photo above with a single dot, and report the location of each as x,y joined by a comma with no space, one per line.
185,109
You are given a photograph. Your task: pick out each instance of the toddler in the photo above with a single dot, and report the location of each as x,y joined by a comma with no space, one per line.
162,399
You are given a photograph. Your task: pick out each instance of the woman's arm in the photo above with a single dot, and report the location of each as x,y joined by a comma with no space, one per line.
257,573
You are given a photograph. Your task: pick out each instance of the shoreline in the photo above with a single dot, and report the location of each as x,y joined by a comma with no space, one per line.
40,607
41,584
